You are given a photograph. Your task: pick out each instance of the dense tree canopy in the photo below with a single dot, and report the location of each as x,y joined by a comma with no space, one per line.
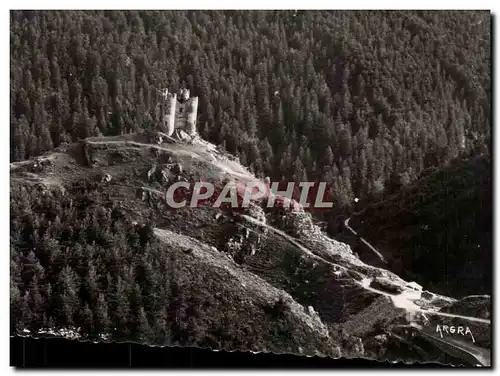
365,100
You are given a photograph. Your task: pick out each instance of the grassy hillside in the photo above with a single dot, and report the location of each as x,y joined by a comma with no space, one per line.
439,230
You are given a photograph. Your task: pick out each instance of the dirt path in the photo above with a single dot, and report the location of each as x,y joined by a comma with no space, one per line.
372,248
291,240
481,355
406,300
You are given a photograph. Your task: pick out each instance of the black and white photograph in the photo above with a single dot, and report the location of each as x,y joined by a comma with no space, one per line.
308,183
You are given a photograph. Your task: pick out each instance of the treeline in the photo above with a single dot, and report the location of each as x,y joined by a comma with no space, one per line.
363,100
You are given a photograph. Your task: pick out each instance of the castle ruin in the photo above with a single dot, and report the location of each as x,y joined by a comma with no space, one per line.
180,112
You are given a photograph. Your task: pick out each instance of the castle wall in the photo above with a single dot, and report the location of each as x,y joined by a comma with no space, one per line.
185,116
180,115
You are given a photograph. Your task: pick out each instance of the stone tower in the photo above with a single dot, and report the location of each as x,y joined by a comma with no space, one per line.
191,116
181,112
169,117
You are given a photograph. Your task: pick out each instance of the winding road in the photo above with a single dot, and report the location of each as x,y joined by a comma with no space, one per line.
404,300
476,355
372,248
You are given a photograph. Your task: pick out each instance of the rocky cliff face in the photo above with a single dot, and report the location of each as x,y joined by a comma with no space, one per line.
260,279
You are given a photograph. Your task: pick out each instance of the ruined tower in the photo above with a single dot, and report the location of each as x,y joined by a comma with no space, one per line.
181,112
191,116
169,117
